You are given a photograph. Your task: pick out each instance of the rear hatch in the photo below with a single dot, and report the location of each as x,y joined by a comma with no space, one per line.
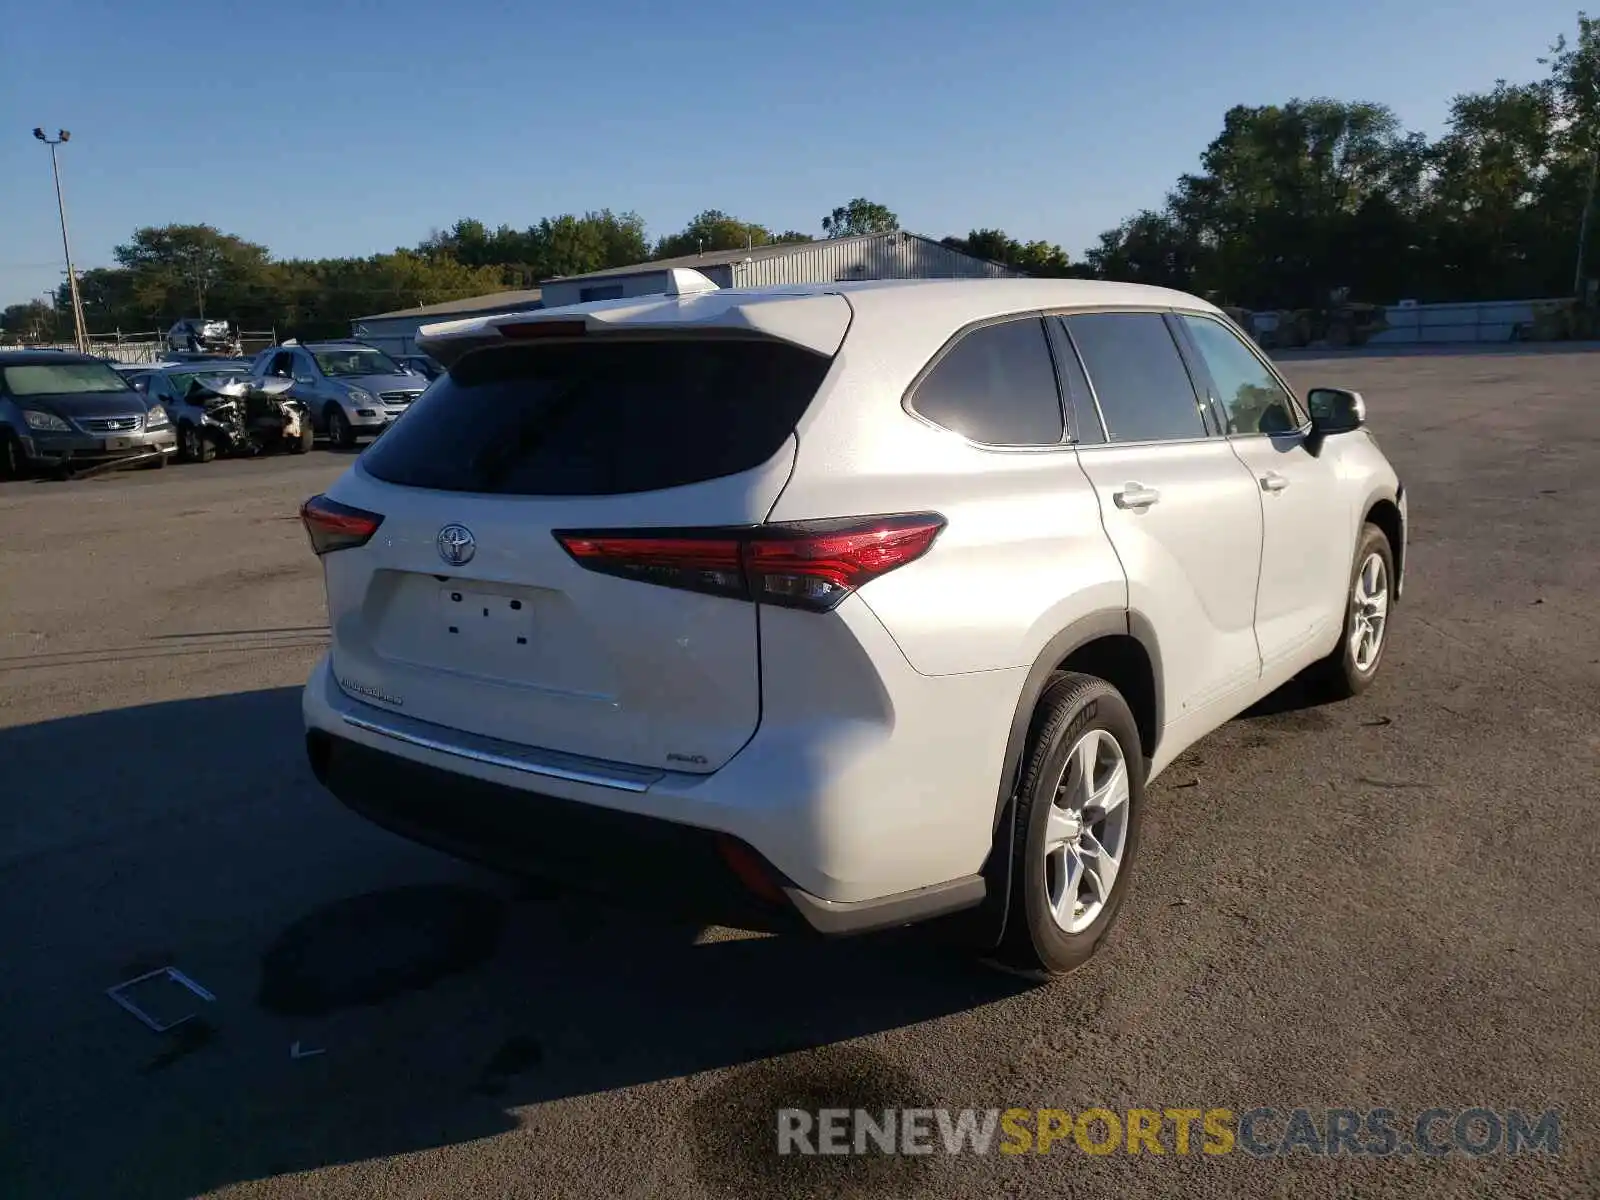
465,610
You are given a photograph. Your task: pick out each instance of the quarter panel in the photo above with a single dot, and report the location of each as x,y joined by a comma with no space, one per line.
1023,554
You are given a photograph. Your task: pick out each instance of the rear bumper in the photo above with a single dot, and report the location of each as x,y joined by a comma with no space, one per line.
873,842
635,859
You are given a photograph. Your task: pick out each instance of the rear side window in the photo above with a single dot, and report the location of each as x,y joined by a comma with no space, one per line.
599,418
997,385
1143,387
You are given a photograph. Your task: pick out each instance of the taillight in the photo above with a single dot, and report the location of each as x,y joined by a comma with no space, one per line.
333,526
697,564
811,565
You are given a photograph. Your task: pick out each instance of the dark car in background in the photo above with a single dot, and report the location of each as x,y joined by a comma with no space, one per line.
70,411
422,364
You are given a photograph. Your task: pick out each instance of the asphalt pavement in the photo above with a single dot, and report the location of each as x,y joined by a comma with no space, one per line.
1392,902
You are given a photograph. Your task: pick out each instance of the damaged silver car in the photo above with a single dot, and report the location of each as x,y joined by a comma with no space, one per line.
219,409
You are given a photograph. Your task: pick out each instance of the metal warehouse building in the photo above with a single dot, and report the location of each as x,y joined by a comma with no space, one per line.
895,255
396,331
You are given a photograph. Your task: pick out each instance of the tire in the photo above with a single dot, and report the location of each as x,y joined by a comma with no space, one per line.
205,448
1079,720
1348,672
12,463
306,440
187,438
340,432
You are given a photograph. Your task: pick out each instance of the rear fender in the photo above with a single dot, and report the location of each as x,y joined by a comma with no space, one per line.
985,924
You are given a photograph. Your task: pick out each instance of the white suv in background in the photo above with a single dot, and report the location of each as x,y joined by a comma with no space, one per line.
846,605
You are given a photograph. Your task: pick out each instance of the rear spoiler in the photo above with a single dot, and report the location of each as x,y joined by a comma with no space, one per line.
814,321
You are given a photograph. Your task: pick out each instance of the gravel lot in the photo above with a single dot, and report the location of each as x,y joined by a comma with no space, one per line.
1392,902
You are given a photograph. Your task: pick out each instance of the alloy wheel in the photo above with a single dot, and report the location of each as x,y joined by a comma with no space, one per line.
1369,601
1087,833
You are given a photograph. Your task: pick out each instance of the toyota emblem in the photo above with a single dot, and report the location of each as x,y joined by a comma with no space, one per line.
456,545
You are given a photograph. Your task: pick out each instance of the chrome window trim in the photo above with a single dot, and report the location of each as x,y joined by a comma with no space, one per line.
954,340
1094,392
1296,405
546,764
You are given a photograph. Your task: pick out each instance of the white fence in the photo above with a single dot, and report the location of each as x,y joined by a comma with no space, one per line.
144,348
148,347
1419,324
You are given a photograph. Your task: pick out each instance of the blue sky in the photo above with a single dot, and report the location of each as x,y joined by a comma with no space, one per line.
351,126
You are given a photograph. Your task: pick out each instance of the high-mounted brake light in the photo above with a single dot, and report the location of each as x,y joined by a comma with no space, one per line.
523,331
811,565
333,526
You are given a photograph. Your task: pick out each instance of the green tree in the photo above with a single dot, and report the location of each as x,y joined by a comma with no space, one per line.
176,269
1151,247
1486,231
712,230
859,216
1043,259
565,245
1568,196
31,321
322,297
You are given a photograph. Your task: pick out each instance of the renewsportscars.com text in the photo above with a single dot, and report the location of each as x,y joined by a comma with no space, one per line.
1257,1132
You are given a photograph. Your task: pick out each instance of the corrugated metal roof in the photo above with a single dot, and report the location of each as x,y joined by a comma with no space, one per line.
494,302
842,259
717,258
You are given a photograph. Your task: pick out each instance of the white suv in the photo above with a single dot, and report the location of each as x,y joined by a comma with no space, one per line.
840,606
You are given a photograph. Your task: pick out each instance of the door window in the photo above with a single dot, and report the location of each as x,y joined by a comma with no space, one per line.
996,385
1252,399
1138,377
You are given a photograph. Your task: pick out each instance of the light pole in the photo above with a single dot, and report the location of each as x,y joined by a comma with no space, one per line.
1583,225
80,335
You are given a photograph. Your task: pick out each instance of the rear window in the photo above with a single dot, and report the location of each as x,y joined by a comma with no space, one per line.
599,418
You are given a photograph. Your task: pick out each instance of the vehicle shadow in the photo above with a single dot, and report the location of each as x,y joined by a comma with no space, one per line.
1294,696
428,1001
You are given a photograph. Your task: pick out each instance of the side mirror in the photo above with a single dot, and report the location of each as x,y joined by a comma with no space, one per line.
1335,410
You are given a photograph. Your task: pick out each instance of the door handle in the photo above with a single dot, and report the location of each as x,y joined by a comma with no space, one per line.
1273,482
1135,496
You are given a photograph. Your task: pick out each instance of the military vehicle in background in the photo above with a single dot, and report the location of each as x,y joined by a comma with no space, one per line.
1341,322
